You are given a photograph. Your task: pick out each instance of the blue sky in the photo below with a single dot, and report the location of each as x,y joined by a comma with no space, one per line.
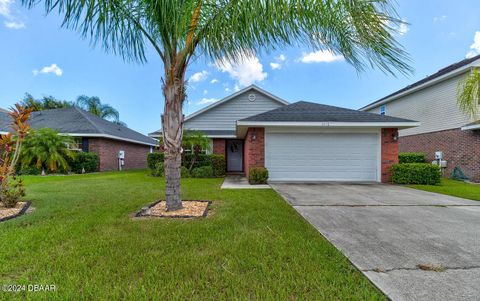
39,57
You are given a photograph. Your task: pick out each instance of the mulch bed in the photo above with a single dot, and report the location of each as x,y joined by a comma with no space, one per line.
191,209
9,213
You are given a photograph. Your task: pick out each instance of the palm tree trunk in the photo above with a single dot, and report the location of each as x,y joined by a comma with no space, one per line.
174,93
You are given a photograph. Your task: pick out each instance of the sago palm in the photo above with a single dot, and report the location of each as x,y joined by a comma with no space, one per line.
229,30
468,97
46,149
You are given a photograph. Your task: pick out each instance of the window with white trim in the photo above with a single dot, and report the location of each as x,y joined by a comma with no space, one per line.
383,110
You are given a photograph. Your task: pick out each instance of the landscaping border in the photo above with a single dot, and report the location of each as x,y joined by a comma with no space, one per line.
22,212
144,209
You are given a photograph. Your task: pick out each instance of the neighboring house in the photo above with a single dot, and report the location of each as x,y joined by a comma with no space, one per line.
302,141
444,127
93,134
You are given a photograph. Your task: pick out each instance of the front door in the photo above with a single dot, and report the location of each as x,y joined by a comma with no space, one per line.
234,155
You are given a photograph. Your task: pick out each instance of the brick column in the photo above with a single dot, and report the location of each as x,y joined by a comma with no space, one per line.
219,146
254,154
389,152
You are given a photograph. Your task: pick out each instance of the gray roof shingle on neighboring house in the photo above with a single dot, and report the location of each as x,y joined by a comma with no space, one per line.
303,111
79,122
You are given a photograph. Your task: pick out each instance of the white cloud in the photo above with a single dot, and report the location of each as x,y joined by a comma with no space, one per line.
475,47
198,77
205,92
53,68
12,19
321,56
245,72
403,29
14,24
439,19
280,58
214,81
227,89
205,101
275,66
277,62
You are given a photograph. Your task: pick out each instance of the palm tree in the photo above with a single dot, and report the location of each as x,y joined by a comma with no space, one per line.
229,30
468,95
96,107
46,149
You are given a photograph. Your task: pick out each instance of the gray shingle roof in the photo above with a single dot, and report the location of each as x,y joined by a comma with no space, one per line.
303,111
77,121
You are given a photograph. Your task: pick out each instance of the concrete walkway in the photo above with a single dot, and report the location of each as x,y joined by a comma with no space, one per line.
413,245
240,182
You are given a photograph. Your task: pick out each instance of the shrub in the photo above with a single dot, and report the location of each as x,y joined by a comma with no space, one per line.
416,173
84,161
411,158
153,159
158,170
184,172
200,160
218,165
29,170
202,172
258,175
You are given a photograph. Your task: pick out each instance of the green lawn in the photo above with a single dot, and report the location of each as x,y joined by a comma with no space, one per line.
455,188
253,246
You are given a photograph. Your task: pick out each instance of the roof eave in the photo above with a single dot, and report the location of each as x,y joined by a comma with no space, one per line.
328,124
470,127
94,135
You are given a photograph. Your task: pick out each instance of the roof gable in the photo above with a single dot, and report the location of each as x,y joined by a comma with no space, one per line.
441,74
233,96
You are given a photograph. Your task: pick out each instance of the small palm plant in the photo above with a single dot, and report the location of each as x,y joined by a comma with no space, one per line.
196,142
469,93
47,150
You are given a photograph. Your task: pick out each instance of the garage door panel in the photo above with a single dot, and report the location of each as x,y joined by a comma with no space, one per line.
322,156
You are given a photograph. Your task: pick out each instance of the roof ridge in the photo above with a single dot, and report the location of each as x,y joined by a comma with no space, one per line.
85,114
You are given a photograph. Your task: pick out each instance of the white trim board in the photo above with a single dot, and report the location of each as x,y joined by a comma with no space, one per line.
93,135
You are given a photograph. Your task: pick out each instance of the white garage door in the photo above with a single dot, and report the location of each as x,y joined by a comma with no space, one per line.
322,156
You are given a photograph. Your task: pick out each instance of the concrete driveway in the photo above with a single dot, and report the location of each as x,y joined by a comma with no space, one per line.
413,245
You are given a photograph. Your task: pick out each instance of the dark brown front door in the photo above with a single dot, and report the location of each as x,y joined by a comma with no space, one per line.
234,155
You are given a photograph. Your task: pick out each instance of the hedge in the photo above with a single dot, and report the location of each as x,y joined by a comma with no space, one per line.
153,159
86,161
215,162
202,172
218,165
416,173
258,175
411,158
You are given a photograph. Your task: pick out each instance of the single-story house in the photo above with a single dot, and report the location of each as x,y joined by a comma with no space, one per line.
444,127
93,134
303,141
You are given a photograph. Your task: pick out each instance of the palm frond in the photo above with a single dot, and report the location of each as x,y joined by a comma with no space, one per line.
468,93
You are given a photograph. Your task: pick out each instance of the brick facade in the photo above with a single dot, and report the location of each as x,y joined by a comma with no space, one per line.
389,152
219,146
107,150
254,149
460,148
